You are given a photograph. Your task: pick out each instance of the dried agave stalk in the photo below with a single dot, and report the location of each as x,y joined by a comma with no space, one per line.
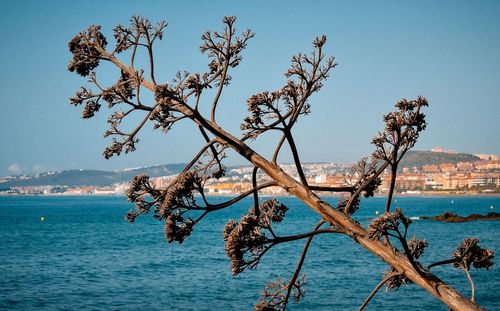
250,238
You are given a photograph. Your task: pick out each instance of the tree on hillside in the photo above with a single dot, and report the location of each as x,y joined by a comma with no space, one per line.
183,204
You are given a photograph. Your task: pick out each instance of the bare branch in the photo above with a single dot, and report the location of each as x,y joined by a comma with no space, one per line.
386,278
291,284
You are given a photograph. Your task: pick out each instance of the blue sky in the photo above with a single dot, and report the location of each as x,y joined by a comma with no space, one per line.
448,51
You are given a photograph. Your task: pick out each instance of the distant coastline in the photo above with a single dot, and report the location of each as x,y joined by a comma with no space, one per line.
421,195
422,173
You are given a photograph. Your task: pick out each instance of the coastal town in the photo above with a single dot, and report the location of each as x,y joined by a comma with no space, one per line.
481,176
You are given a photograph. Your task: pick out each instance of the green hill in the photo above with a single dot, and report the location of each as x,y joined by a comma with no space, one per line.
420,158
90,177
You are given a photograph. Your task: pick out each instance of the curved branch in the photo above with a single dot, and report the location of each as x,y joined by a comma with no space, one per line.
375,290
406,250
394,171
363,186
212,148
224,73
442,262
296,158
471,284
151,59
213,207
278,148
332,189
301,262
289,238
255,191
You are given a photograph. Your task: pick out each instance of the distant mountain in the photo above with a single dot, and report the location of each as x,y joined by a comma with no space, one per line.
106,178
90,177
420,158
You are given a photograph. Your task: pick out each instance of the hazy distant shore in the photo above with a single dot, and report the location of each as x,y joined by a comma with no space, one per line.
423,194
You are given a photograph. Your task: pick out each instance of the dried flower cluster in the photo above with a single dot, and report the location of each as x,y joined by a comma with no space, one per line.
309,72
85,48
140,31
91,101
387,223
364,180
243,238
123,90
415,250
171,204
224,49
88,48
272,211
274,296
178,228
417,247
396,280
140,187
117,147
470,253
280,109
178,200
402,129
246,241
266,113
179,195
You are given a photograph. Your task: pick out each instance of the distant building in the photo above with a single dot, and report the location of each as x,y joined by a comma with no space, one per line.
486,179
410,182
441,149
162,182
104,191
437,149
447,167
484,156
459,181
430,168
487,165
121,188
465,166
479,181
320,179
434,182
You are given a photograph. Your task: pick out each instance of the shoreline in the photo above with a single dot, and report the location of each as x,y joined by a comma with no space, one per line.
412,195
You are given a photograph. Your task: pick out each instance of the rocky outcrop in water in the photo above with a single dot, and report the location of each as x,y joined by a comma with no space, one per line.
450,217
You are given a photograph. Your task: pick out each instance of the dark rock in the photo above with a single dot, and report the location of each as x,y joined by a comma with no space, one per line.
450,217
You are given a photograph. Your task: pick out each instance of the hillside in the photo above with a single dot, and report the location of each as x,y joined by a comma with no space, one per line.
420,158
90,177
106,178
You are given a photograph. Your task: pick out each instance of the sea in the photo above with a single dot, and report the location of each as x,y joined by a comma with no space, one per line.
78,253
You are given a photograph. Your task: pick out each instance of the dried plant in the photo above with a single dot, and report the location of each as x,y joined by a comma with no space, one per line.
274,295
183,204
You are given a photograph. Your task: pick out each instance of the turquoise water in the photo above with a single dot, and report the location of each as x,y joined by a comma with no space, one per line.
85,256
